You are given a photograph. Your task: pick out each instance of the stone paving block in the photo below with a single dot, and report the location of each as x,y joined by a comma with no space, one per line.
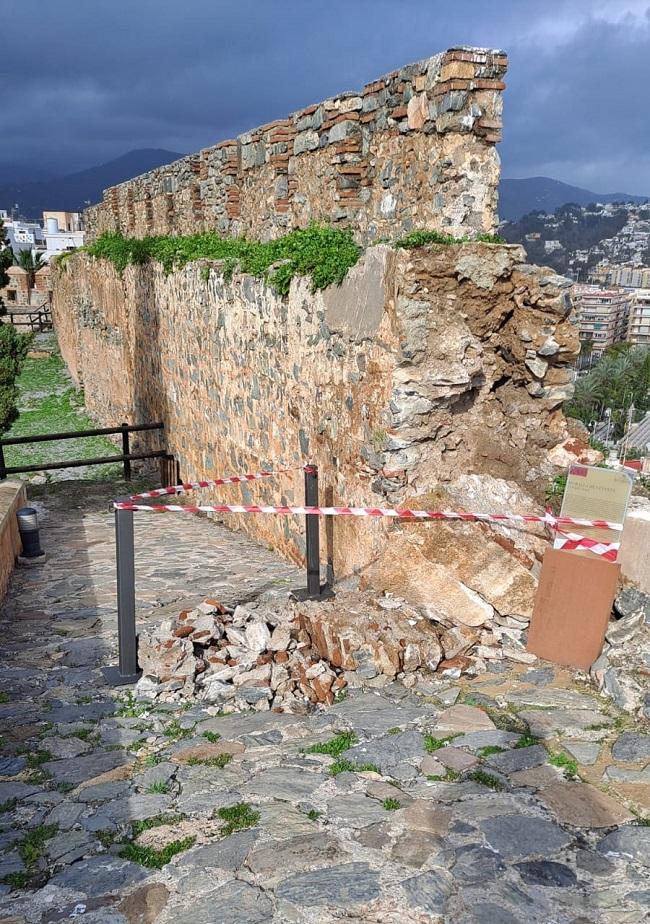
630,841
521,836
355,810
80,769
631,747
285,784
233,903
428,891
100,875
585,753
518,759
336,887
464,719
455,759
227,853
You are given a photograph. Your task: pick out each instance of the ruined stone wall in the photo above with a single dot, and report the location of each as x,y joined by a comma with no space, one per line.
414,149
431,377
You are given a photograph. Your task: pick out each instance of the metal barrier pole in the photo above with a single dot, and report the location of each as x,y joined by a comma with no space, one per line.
3,473
127,669
313,532
125,451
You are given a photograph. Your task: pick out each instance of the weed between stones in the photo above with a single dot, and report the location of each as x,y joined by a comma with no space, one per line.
346,766
527,741
152,858
157,821
433,744
220,761
391,804
158,787
4,698
568,764
237,817
31,847
334,746
313,814
129,707
152,760
449,777
486,779
177,732
489,749
212,737
8,806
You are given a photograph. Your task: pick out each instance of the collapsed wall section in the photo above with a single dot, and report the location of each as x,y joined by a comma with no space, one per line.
431,377
414,149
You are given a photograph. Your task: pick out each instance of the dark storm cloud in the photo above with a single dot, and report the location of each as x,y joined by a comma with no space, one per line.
84,81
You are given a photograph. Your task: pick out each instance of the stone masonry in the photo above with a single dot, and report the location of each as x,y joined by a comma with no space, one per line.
413,149
431,377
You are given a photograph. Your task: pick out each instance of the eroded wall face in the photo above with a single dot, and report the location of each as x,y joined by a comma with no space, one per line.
430,377
414,149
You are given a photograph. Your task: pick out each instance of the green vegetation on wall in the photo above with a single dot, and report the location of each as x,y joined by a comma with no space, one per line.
422,238
323,254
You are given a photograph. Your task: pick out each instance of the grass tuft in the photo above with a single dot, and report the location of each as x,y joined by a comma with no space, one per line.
433,744
31,847
177,732
156,821
237,817
527,741
391,804
489,749
152,858
212,737
159,787
220,761
334,746
347,766
566,763
486,779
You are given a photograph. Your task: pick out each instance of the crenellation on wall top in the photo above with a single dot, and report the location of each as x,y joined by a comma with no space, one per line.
420,141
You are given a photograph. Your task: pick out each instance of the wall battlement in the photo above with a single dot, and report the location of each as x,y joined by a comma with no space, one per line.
414,149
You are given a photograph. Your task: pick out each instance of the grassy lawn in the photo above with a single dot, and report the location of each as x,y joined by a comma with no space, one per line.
50,403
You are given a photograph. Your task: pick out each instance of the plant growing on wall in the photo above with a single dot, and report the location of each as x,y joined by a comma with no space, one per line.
323,254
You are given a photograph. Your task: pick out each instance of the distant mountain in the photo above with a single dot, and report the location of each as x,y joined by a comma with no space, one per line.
11,173
518,197
70,193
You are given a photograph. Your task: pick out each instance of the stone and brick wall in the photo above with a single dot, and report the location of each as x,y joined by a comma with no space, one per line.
12,497
414,149
431,377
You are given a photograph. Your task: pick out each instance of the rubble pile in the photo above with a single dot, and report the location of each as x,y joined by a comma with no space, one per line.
622,671
252,657
289,655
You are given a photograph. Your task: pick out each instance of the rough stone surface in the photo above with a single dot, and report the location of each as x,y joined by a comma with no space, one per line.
319,847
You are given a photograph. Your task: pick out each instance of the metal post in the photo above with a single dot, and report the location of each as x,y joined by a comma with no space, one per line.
3,465
313,532
127,670
125,451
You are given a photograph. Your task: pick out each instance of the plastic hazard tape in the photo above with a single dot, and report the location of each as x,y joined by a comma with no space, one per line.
214,483
571,541
393,512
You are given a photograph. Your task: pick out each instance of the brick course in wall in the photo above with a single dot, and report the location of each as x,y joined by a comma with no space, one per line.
414,149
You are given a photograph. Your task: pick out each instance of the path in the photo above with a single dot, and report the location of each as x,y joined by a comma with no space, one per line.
115,814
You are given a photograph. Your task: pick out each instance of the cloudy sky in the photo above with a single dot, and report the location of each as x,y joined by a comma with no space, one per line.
84,81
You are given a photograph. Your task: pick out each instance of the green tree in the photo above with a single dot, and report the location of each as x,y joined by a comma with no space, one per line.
31,264
13,350
621,379
6,258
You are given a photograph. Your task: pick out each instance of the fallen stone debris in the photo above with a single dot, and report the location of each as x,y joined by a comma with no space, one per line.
622,671
287,655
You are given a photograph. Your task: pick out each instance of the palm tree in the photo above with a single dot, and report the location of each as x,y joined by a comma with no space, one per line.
31,264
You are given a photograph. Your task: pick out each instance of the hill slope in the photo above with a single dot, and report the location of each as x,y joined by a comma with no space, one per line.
71,192
518,197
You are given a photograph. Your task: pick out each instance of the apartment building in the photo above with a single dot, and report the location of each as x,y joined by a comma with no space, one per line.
602,316
638,332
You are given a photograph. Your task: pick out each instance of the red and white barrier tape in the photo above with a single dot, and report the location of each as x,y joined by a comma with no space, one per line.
606,550
214,483
395,513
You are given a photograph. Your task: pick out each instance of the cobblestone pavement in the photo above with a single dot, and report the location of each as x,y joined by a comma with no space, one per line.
511,799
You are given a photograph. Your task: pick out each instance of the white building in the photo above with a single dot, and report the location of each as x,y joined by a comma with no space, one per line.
59,240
